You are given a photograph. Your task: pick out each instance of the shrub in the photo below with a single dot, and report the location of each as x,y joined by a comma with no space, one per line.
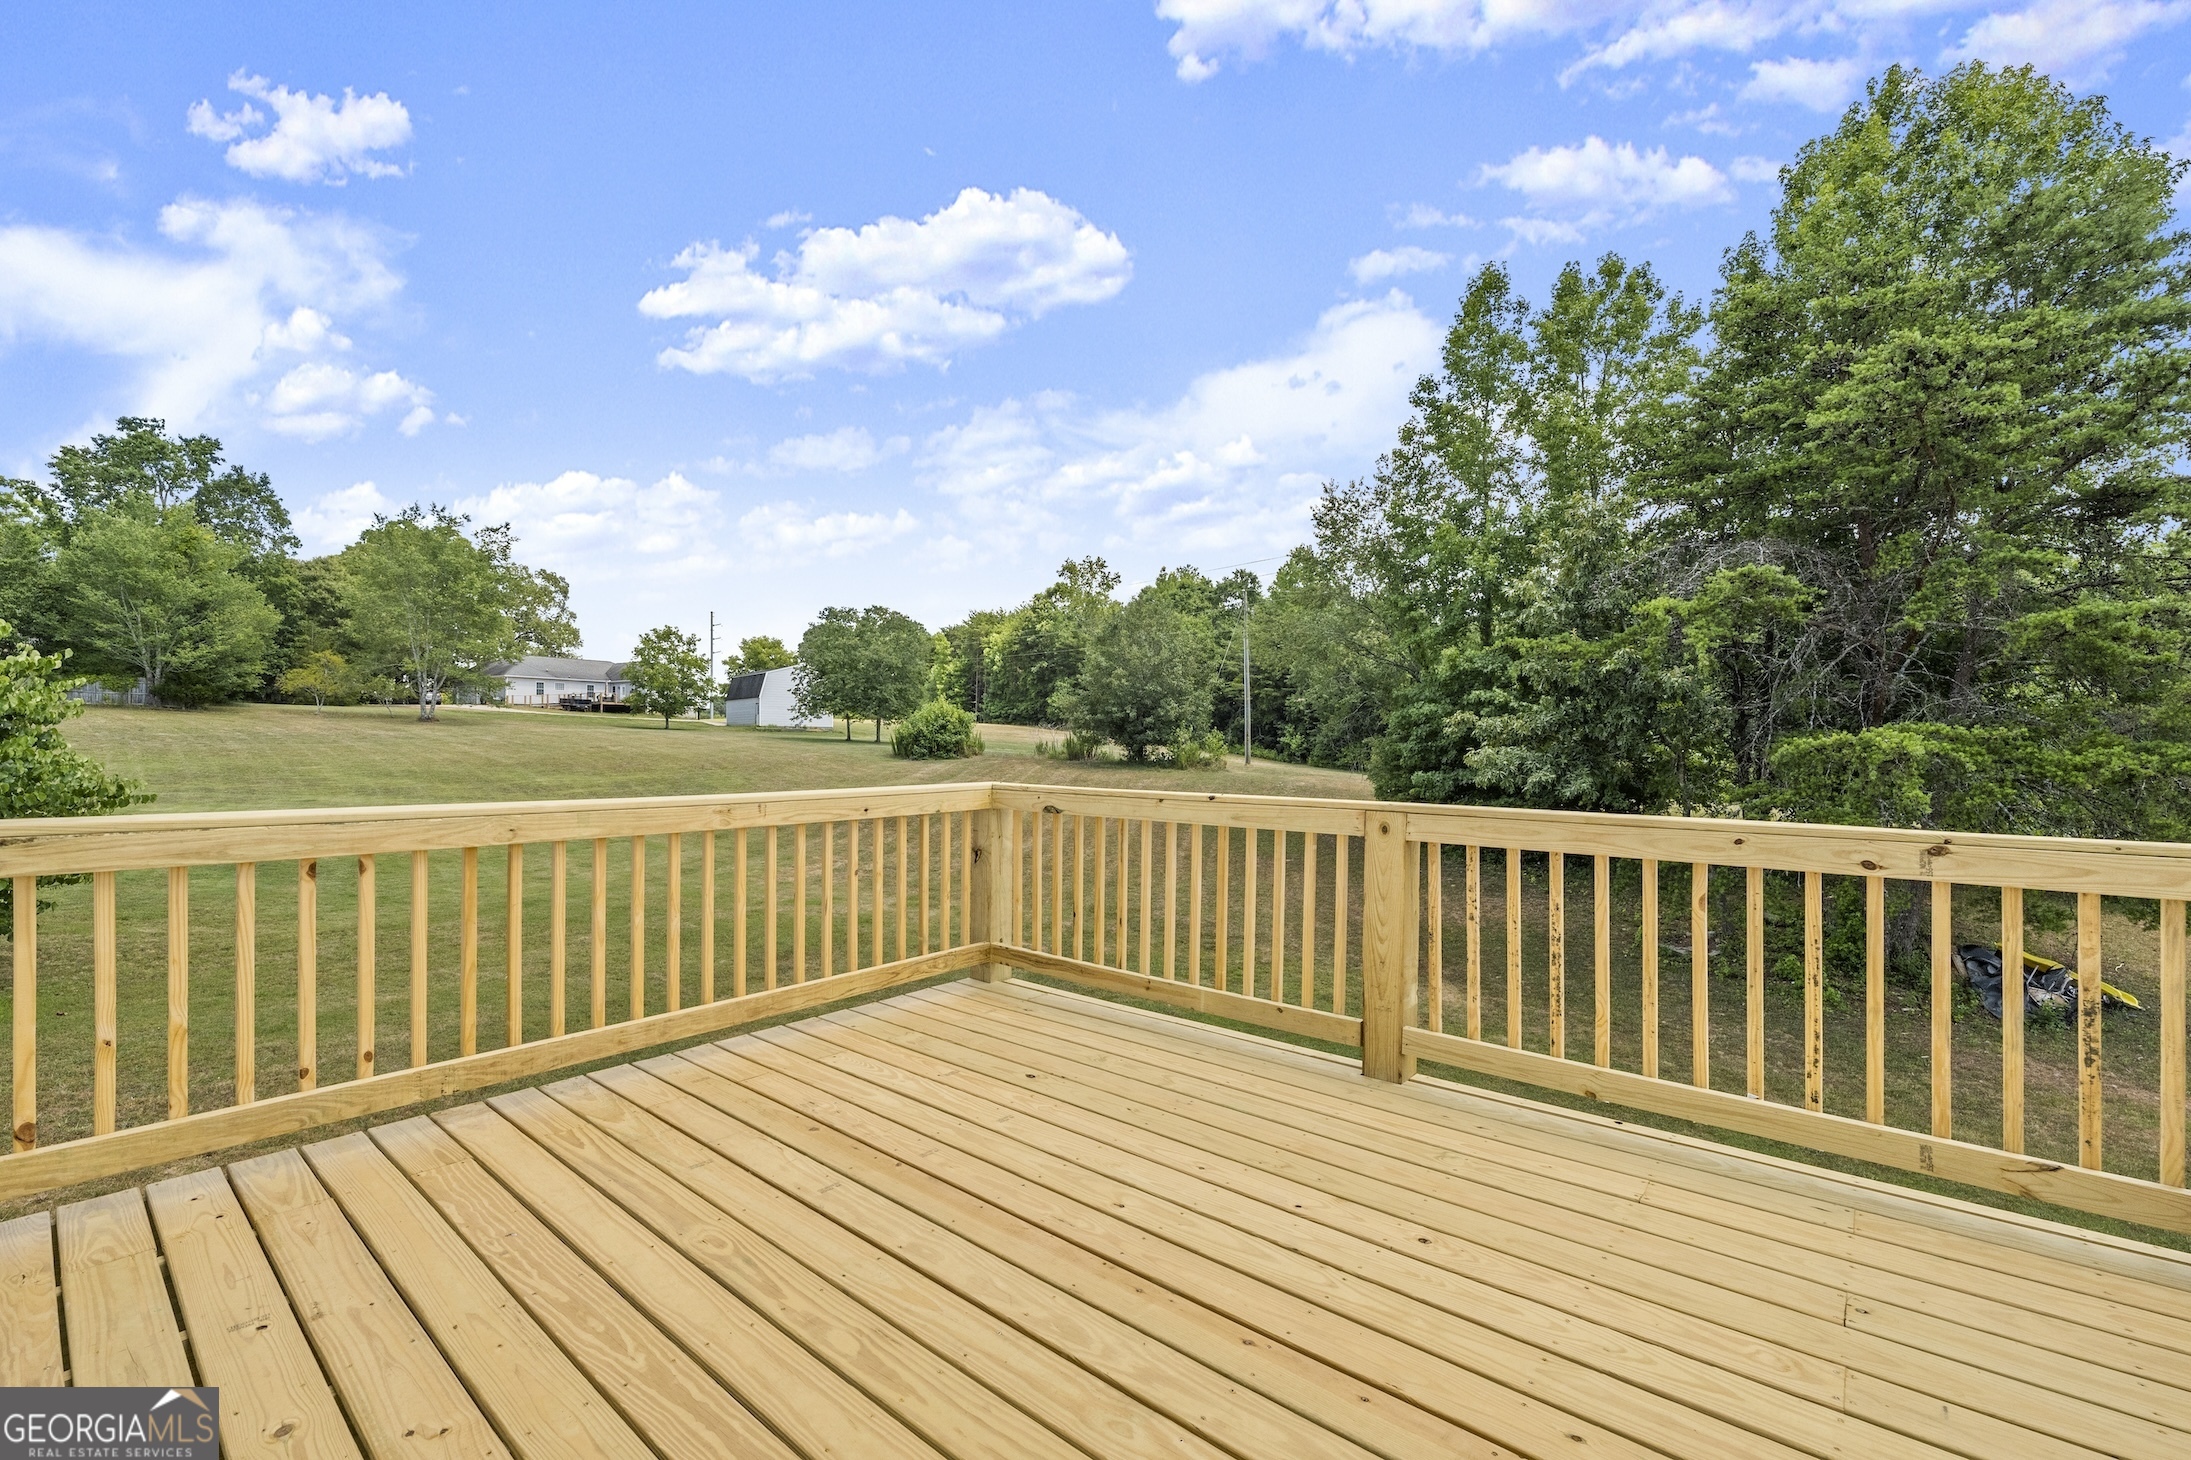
937,730
1082,745
1205,753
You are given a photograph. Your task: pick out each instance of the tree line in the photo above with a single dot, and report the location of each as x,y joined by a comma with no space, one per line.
1887,531
148,556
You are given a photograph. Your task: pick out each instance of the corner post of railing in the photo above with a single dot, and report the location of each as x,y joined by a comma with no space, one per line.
987,893
1388,994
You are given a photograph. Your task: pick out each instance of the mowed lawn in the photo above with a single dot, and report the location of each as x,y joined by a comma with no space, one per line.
250,757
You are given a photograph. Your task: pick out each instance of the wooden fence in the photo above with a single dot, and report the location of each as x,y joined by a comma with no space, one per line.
1412,933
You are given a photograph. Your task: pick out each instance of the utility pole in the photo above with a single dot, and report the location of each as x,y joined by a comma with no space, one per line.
1247,688
711,666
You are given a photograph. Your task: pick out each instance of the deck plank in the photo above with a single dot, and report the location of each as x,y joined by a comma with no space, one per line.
401,1396
539,1401
121,1326
804,1397
30,1308
1773,1347
1074,1334
674,1404
1039,1189
1665,1397
1198,1337
1962,1324
956,1414
274,1399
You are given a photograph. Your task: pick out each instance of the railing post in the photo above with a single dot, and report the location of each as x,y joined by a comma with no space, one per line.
985,887
1388,994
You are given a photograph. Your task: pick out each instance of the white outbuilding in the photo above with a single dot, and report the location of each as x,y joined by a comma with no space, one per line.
767,697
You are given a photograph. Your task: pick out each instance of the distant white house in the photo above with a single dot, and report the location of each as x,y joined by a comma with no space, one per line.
539,680
767,697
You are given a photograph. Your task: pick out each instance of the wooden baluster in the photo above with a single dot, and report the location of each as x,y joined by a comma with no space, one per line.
873,943
1082,871
966,879
25,1013
1035,867
2089,1008
1171,900
2012,1020
1102,868
513,948
600,897
1601,960
1148,843
1753,953
771,893
1253,837
1194,906
178,992
1308,919
1650,967
638,927
829,899
418,959
1700,975
1411,952
903,951
559,858
468,964
1555,933
739,899
928,877
1118,890
1342,914
1814,993
1875,1000
103,960
1474,948
943,880
1943,1010
1514,882
1057,884
1014,851
368,959
2172,1040
308,974
1223,906
247,982
673,924
707,917
1434,1016
1278,916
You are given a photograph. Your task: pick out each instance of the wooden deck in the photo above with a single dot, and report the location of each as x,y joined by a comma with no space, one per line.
1004,1222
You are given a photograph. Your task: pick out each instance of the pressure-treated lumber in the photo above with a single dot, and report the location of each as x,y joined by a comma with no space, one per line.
121,1329
274,1400
30,1310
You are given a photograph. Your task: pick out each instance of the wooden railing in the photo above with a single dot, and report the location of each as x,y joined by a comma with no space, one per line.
1463,937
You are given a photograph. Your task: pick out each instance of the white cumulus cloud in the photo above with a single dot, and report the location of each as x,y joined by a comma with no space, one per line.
313,138
1594,182
319,399
1423,215
1380,264
1234,463
846,449
787,529
1820,84
231,291
894,291
2076,40
1210,30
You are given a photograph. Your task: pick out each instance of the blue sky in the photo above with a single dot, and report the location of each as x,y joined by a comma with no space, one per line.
756,309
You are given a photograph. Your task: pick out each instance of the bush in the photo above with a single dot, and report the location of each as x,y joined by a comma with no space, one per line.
937,730
1207,753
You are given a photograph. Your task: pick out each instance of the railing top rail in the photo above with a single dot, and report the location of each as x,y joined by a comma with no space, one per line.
59,846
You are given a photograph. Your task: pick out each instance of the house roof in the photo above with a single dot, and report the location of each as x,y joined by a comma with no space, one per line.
540,666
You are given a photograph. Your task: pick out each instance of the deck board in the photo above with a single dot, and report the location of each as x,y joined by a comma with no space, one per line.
992,1221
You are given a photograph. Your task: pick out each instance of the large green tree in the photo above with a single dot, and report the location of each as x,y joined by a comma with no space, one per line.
668,674
1146,677
149,591
869,663
428,600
